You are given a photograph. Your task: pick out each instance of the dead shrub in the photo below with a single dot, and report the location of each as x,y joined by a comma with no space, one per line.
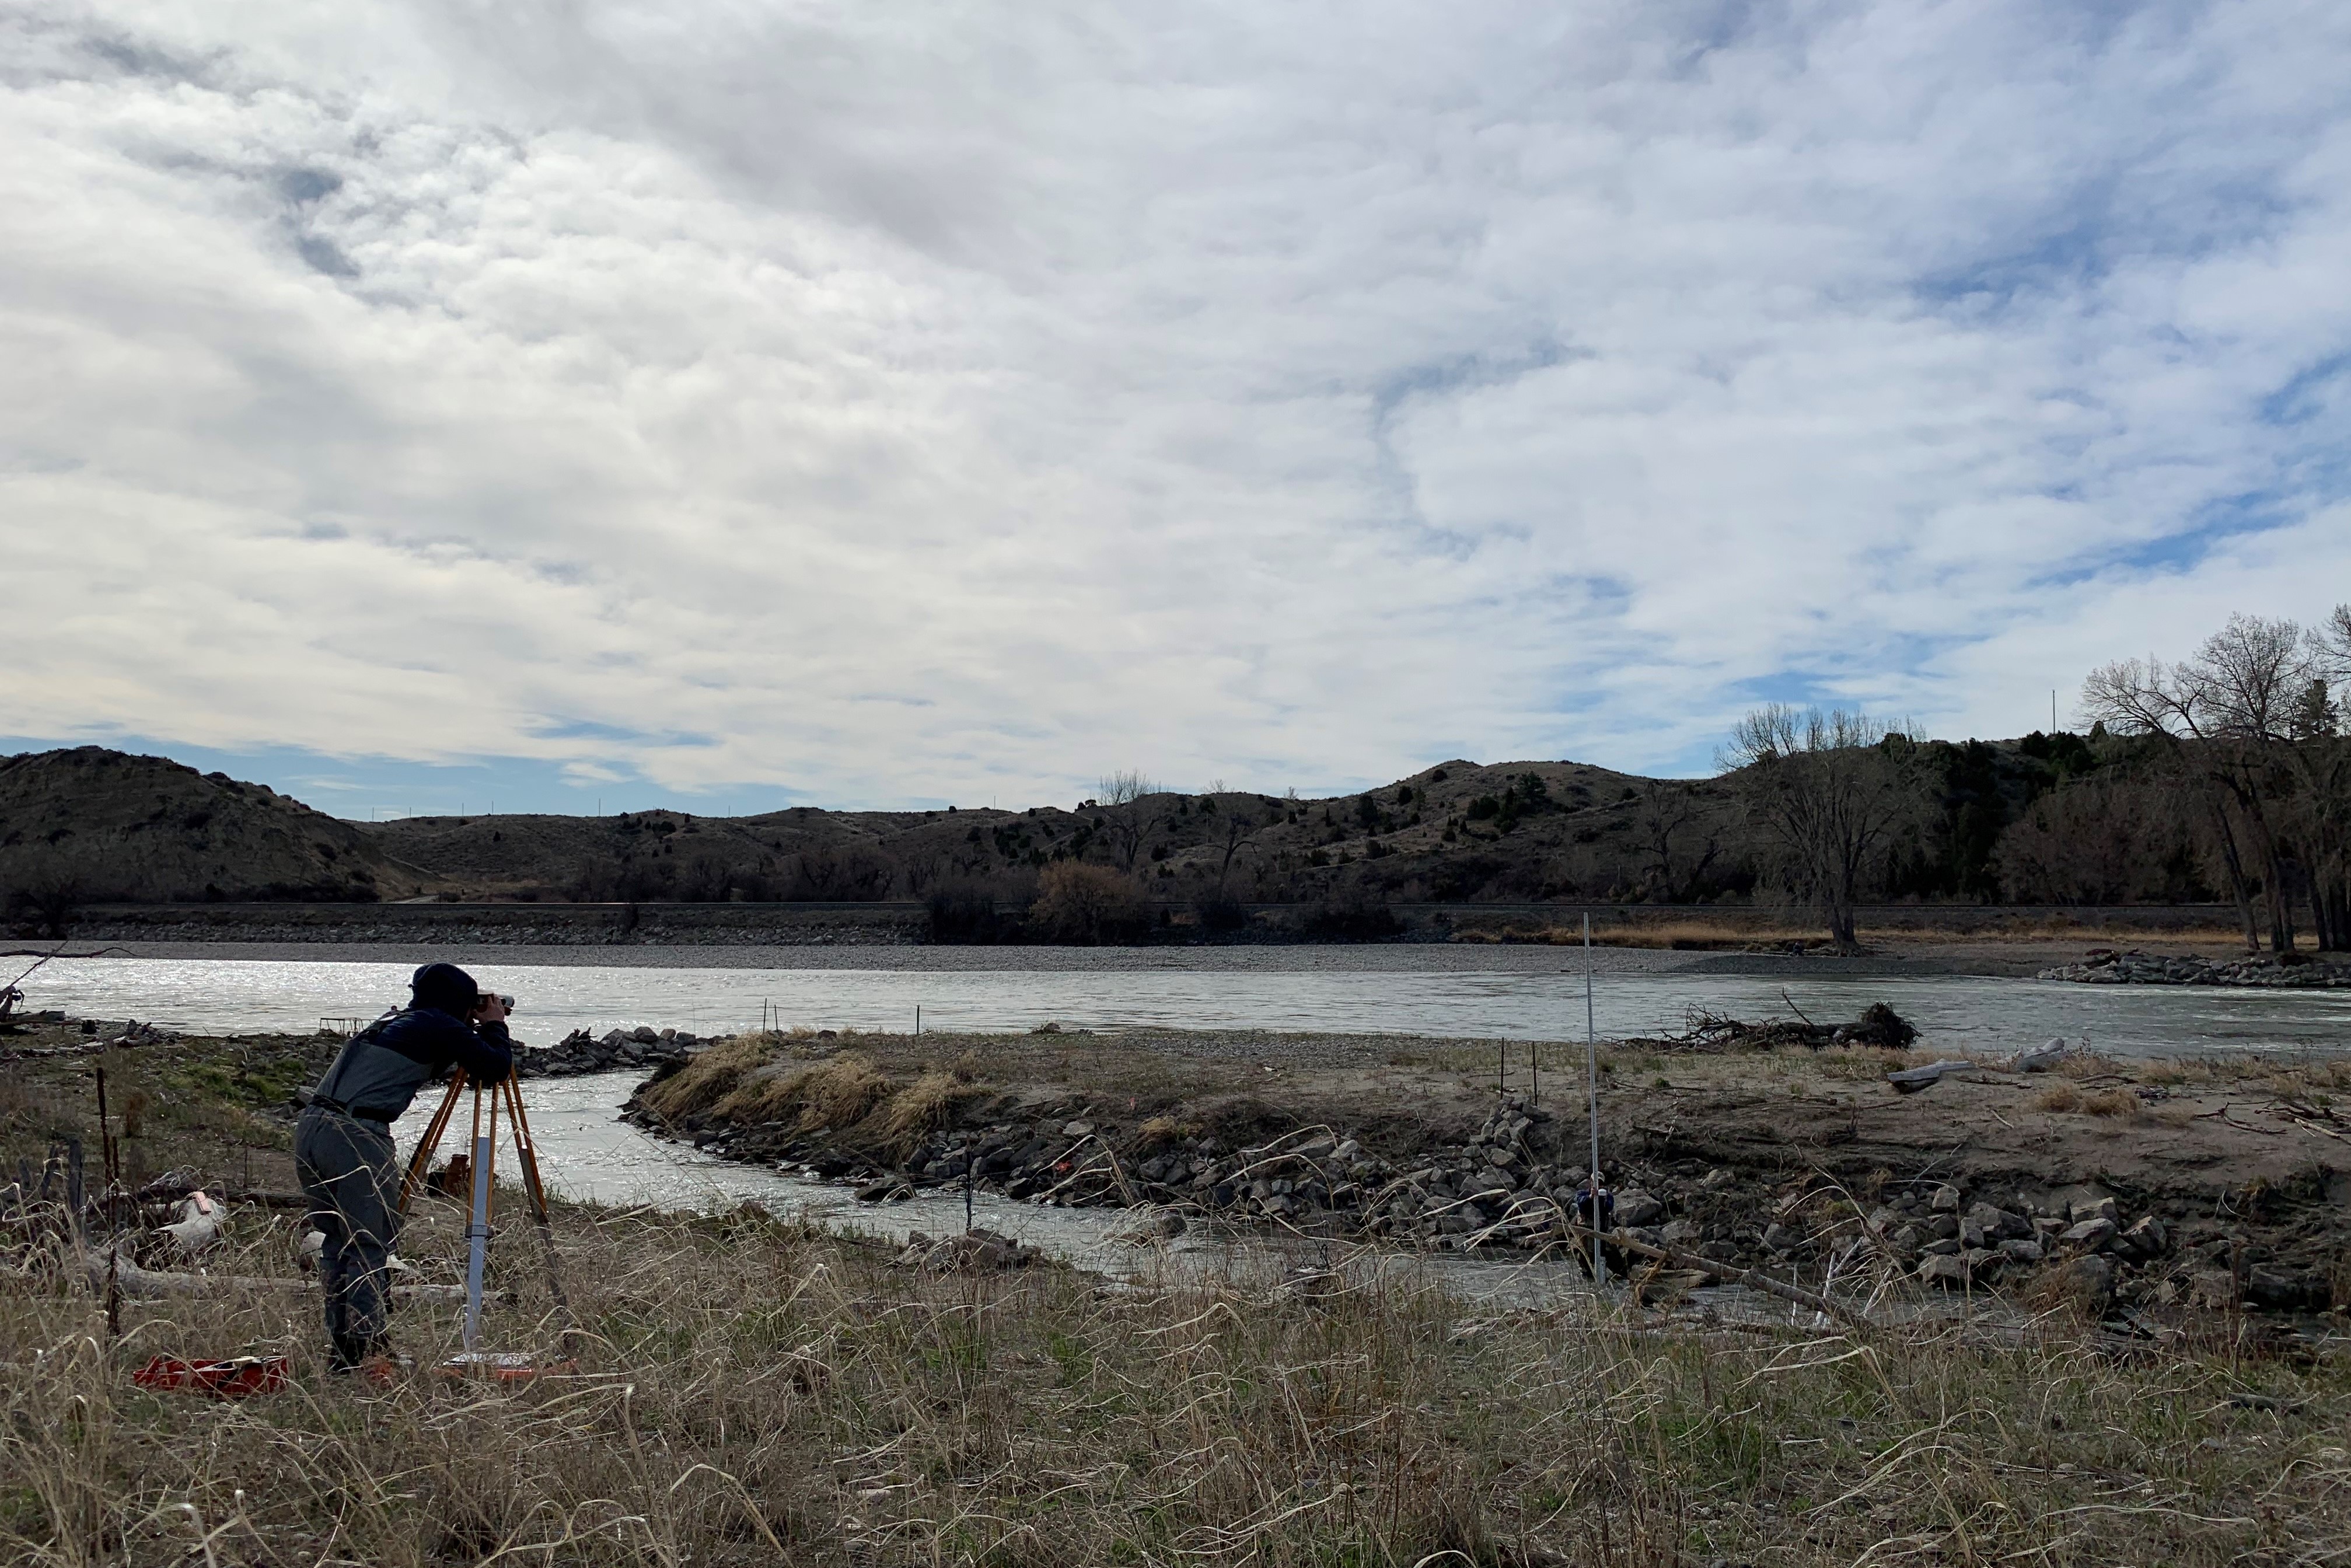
1088,903
2058,1096
1158,1132
2117,1103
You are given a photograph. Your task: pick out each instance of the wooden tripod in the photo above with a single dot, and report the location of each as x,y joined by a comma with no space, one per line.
504,1093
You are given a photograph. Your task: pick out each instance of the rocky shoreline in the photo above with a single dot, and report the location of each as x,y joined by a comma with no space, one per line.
1512,1188
2105,966
616,1050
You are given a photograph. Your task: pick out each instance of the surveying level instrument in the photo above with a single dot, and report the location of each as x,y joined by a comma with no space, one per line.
504,1097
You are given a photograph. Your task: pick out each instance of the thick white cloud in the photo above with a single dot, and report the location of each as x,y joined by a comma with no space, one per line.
898,402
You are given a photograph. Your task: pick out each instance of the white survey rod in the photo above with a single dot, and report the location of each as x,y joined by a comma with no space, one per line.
1592,1078
477,1234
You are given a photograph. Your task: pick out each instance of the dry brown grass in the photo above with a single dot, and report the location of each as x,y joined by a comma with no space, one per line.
840,1093
2059,1096
755,1393
1159,1131
2300,1077
753,1079
768,1094
2119,1104
711,1076
1692,934
911,1114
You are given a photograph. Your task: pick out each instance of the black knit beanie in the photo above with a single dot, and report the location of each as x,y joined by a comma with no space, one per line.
444,987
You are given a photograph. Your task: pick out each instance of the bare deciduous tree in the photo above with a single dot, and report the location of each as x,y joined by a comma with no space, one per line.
855,875
1666,807
1826,789
1125,787
2231,711
2101,839
1125,818
1238,829
921,869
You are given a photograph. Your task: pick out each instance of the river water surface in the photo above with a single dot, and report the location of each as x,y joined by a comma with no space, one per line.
1526,996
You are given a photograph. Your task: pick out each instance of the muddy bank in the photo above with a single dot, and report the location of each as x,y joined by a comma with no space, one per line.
2151,1191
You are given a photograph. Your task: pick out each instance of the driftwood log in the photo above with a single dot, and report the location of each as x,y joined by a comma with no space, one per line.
1754,1280
2042,1058
167,1188
1911,1080
1879,1025
153,1284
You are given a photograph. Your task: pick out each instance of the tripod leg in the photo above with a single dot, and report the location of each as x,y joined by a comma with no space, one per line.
423,1158
526,1156
526,1151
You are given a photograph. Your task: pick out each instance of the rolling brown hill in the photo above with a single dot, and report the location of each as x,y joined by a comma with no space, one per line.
1458,830
92,823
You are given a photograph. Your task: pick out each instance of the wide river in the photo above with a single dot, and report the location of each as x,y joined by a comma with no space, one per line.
1488,993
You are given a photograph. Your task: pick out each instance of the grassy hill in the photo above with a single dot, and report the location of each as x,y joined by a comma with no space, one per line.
99,825
1458,830
90,822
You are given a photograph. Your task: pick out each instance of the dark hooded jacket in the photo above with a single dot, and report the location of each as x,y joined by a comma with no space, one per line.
380,1068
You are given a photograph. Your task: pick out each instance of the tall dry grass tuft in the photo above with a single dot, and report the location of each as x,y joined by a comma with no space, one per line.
914,1112
710,1076
2119,1104
840,1093
769,1093
2060,1096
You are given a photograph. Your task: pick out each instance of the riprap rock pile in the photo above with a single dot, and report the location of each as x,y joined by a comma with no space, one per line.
616,1050
2105,966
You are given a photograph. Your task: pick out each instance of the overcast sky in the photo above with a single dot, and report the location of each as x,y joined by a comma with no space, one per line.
882,404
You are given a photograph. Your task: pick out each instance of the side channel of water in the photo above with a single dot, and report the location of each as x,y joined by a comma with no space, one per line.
588,1154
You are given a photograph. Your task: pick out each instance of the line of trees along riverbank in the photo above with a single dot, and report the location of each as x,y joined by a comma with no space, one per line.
2227,771
2223,778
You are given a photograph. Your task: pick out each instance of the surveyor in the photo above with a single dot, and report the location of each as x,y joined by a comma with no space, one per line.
343,1145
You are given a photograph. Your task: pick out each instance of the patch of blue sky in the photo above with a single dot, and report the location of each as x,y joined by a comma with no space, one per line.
1802,687
2057,262
590,730
2312,392
2183,549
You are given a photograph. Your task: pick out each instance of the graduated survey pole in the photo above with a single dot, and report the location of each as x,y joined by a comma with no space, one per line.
1592,1081
478,1231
